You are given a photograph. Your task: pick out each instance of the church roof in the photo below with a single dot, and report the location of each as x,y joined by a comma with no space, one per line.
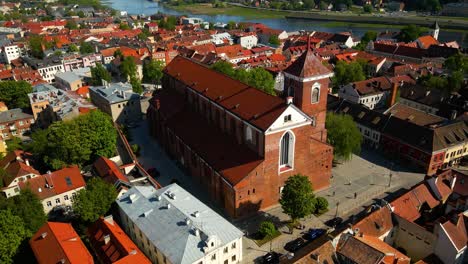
307,65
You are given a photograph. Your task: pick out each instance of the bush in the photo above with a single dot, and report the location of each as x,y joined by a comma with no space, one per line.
321,204
136,149
267,229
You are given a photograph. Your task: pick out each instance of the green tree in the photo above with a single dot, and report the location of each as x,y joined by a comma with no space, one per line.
347,73
153,71
36,46
457,62
297,197
128,68
86,48
124,26
136,85
366,38
262,80
98,74
267,229
274,40
14,144
436,82
15,93
71,24
367,8
231,25
343,135
12,233
29,208
223,67
410,33
79,141
455,81
95,200
321,205
81,14
73,48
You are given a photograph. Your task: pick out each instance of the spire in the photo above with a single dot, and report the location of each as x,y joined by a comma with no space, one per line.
435,25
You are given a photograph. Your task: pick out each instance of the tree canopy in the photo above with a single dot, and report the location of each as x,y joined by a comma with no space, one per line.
36,46
410,33
343,135
256,77
12,233
297,198
98,74
128,67
348,72
95,200
15,93
153,71
366,38
136,85
86,48
79,141
274,40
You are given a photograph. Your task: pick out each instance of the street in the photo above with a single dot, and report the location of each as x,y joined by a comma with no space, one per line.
355,184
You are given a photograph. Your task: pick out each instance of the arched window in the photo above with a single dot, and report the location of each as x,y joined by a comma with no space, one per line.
315,94
287,150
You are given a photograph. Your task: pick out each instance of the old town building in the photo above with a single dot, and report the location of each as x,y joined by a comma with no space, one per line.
240,143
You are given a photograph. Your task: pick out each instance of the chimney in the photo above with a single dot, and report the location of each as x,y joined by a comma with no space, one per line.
106,239
428,92
453,115
393,95
289,100
43,235
27,162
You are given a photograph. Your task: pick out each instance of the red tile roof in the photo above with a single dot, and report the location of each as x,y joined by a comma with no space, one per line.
59,182
119,248
83,90
409,204
307,65
392,255
15,164
109,171
57,242
248,103
427,41
376,224
457,232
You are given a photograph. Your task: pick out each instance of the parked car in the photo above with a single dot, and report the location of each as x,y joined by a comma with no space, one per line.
153,172
334,222
294,245
315,233
271,258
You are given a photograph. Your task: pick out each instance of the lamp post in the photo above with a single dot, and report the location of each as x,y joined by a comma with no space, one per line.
337,204
390,179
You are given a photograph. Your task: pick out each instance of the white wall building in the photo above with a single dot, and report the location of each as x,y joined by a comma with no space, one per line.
171,226
10,53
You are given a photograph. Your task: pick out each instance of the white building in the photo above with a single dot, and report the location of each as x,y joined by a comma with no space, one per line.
46,67
372,93
56,189
220,38
16,163
171,226
10,53
246,40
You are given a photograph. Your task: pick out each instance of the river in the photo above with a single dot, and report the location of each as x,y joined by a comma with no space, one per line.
137,7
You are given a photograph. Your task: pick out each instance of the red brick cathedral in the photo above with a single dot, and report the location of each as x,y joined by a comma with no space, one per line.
238,142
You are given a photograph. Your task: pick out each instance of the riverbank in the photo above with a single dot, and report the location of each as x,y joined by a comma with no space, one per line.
230,10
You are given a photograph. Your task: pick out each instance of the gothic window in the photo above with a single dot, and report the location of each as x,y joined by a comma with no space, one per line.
315,93
287,150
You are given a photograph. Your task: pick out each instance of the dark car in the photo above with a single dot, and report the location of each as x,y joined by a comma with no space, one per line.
153,172
315,233
294,245
271,258
334,222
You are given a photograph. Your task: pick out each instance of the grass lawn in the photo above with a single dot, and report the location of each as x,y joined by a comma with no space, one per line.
262,241
207,9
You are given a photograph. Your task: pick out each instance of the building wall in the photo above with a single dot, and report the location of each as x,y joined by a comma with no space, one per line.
414,239
48,73
11,53
15,128
445,250
64,199
13,189
453,154
422,107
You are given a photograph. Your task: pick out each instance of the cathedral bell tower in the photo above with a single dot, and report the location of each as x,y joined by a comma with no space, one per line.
307,81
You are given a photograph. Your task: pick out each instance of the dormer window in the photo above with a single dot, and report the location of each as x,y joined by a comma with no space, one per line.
287,118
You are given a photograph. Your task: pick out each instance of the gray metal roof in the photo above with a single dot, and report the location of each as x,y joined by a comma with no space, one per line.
69,77
13,115
173,230
116,92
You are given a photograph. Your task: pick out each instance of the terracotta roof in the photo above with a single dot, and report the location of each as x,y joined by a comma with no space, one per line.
248,103
83,90
376,224
413,115
408,205
109,171
461,184
358,251
457,232
307,65
15,165
119,248
59,243
427,41
59,182
208,141
392,255
372,86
